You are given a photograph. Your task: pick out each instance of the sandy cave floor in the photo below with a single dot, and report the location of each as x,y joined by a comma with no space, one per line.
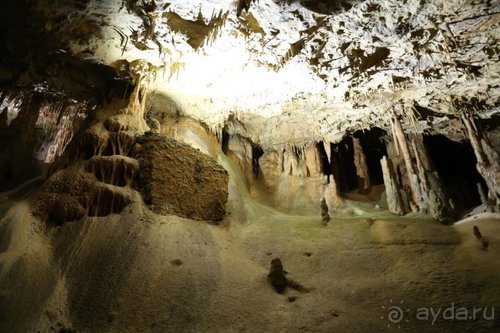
142,272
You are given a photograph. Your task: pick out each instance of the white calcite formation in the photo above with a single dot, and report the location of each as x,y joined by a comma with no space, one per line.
296,72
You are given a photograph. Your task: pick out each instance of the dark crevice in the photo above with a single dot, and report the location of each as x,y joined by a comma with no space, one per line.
343,165
456,165
325,163
257,152
225,141
374,148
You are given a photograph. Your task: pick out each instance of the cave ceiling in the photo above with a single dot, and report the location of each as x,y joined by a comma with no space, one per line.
279,72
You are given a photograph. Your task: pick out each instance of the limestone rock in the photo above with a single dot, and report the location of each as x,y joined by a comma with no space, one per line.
175,178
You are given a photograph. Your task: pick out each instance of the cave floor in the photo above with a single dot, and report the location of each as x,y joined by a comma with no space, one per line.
143,272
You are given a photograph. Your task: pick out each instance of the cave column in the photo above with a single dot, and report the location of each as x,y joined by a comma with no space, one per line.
402,144
436,200
394,199
364,184
399,173
488,164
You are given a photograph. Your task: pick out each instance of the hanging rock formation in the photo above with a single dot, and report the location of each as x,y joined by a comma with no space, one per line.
410,178
488,162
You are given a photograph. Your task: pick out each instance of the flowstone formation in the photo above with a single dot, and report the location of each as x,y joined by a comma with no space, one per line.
99,173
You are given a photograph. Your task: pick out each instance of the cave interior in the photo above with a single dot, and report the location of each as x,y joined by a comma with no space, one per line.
249,166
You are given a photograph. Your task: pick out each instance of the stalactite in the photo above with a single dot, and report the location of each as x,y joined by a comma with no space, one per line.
364,184
328,150
92,143
312,160
120,143
400,181
113,170
56,124
106,201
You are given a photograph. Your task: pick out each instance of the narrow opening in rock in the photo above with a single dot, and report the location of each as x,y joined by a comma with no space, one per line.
343,165
224,141
257,152
374,149
325,163
456,165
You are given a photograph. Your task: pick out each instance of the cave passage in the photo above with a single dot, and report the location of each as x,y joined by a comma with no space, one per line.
374,148
343,166
326,167
456,164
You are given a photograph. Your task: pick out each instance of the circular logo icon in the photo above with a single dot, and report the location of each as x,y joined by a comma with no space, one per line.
395,314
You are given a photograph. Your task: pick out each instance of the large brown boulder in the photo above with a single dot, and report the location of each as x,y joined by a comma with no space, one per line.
175,178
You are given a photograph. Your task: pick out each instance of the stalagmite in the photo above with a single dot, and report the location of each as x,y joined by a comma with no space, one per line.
362,171
121,143
325,217
332,194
